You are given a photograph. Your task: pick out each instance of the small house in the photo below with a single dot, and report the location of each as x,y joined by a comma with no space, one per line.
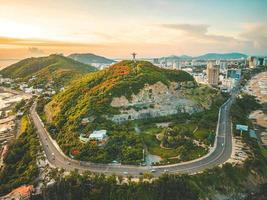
98,135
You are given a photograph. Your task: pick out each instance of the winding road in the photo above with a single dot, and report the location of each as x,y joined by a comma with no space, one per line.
220,152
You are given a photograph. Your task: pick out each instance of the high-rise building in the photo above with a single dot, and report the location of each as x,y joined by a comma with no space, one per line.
213,74
252,62
175,64
234,74
223,66
260,61
156,61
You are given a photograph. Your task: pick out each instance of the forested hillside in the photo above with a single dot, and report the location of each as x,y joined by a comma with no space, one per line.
55,68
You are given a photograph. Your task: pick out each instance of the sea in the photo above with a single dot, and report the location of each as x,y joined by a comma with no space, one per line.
6,62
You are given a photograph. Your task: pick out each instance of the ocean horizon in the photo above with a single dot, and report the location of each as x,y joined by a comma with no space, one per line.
6,62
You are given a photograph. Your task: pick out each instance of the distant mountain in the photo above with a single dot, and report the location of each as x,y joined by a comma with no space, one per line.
214,56
174,57
208,56
89,58
56,68
185,57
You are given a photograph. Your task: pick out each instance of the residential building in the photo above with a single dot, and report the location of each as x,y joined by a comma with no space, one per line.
98,135
85,121
252,62
234,73
260,61
213,74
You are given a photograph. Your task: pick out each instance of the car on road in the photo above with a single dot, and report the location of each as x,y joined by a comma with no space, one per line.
143,164
125,173
152,170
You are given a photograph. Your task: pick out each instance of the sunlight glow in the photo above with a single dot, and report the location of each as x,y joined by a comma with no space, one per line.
15,30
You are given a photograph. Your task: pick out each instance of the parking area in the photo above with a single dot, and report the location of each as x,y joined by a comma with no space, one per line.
239,151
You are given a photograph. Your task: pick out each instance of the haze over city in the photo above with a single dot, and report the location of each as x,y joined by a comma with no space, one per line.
115,28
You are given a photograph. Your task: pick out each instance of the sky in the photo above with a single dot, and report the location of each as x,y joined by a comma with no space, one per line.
116,28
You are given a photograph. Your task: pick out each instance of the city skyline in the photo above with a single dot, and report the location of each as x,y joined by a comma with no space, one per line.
151,28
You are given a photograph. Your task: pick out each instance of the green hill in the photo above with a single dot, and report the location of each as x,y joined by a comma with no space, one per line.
91,97
56,68
93,93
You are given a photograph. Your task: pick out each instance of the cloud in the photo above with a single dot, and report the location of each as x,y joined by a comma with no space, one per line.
256,34
42,43
35,50
198,29
198,38
199,32
252,37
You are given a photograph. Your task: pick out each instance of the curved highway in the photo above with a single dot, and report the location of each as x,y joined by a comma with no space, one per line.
220,152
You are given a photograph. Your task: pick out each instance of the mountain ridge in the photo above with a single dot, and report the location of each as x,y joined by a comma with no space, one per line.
54,67
90,58
208,56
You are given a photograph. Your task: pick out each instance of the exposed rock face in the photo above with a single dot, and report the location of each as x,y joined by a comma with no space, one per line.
154,101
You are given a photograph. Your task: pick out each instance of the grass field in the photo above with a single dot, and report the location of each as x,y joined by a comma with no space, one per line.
153,144
154,148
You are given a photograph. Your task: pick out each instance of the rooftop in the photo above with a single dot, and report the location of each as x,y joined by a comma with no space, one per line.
99,133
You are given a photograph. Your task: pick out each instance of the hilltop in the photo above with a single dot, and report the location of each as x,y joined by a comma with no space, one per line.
89,58
94,93
125,93
55,68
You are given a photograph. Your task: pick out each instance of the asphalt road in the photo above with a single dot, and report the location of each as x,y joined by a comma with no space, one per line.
220,152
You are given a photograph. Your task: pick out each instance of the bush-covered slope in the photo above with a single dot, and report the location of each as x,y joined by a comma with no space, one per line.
91,95
55,68
20,163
